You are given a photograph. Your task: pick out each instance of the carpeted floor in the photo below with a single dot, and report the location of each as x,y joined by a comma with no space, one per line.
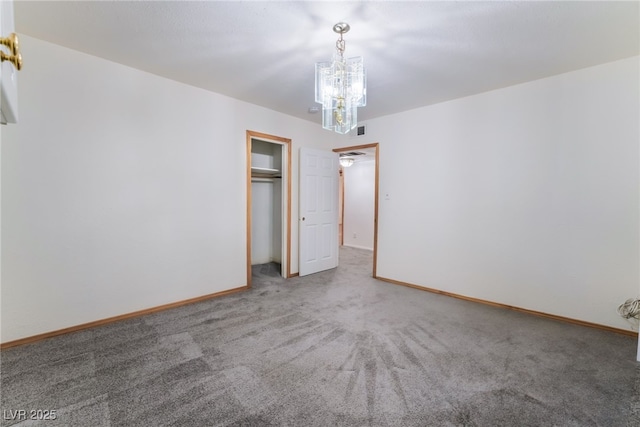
334,348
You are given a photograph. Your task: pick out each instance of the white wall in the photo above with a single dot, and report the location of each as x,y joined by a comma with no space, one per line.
262,222
359,204
526,196
122,190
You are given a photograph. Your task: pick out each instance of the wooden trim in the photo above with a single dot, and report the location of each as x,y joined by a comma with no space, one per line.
95,324
295,275
375,213
267,137
356,147
375,145
514,308
289,174
341,201
250,136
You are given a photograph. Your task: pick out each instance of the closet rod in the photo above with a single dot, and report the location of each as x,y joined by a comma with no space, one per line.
256,179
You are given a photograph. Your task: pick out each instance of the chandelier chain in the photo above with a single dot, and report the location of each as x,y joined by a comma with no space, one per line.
340,45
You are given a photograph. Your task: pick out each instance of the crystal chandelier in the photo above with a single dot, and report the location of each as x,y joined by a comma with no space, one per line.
341,87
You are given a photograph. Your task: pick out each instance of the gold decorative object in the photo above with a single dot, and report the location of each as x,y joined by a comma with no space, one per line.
14,55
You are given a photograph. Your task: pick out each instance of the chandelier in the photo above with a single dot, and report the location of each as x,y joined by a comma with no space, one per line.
341,87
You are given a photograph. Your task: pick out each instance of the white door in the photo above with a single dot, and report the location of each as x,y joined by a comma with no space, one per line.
318,210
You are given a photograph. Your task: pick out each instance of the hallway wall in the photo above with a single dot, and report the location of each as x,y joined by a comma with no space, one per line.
359,197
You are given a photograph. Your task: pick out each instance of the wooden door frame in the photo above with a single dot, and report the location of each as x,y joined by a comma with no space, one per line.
250,136
341,206
375,145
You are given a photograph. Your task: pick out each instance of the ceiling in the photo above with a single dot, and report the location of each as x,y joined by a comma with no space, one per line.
365,154
416,53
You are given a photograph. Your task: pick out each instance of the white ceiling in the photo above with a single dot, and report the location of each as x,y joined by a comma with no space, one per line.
416,53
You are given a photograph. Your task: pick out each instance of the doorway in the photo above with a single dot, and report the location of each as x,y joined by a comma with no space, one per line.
268,202
368,153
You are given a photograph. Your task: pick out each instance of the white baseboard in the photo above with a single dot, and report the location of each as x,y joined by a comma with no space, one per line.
359,247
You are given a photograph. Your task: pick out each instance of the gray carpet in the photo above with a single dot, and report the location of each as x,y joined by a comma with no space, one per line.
334,348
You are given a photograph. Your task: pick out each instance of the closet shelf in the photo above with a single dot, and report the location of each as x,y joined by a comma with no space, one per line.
264,170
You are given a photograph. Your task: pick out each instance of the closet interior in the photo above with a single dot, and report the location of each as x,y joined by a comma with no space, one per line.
267,217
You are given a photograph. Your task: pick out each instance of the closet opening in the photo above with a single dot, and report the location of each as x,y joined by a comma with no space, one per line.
268,205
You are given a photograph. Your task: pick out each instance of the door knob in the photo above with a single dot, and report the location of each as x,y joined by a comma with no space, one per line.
12,43
14,55
16,60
